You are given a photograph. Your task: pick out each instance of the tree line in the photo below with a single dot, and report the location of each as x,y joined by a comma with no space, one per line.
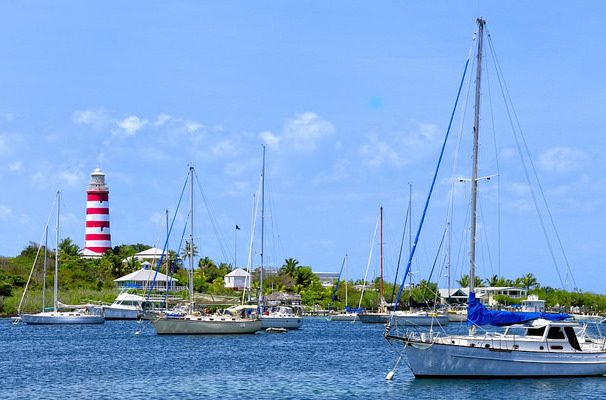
92,280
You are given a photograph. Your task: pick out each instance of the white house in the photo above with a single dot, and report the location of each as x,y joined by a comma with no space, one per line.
327,279
533,304
144,278
238,279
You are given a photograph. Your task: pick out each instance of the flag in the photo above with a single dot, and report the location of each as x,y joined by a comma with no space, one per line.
237,228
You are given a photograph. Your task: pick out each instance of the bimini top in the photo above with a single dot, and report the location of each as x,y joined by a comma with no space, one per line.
477,314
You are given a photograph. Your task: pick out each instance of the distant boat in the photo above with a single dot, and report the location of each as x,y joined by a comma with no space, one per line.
125,306
534,344
234,320
281,317
57,317
349,314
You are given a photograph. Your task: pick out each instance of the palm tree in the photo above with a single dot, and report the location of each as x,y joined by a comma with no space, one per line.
528,281
289,267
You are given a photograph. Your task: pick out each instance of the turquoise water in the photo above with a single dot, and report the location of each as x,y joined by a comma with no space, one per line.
322,360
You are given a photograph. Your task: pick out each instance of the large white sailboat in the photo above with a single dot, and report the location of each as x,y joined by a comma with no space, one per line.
533,345
56,316
281,317
234,320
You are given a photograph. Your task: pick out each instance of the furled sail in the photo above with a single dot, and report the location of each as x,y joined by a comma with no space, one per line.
477,314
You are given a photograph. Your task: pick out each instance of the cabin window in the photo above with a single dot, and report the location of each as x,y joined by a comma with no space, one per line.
535,331
555,332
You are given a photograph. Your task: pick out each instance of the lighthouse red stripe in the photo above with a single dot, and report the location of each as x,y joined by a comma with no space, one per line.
97,196
97,210
97,224
97,236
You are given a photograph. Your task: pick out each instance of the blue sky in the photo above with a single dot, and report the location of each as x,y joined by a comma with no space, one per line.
351,98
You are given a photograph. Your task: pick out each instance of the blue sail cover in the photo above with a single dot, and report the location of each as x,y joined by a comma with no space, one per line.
477,314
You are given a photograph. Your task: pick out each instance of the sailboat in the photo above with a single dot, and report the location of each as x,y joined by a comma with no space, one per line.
241,319
533,345
349,314
280,316
411,318
55,316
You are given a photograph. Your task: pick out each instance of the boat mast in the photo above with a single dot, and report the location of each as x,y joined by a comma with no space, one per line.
474,177
56,280
381,262
45,268
191,237
262,224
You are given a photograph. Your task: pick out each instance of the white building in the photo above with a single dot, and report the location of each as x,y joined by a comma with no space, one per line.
533,304
327,279
238,279
144,278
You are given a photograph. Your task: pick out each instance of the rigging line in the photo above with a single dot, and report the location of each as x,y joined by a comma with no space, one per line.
406,222
217,231
334,293
166,242
31,272
511,112
414,246
372,246
494,135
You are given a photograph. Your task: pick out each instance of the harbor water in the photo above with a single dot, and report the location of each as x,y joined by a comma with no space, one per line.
322,360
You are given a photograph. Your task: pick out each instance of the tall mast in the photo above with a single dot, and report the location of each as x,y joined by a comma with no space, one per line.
191,237
381,262
474,177
45,264
262,223
56,281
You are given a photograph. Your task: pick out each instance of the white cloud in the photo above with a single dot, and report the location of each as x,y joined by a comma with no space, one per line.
5,211
15,166
271,140
377,152
303,132
97,118
131,125
70,178
562,159
162,118
192,126
225,148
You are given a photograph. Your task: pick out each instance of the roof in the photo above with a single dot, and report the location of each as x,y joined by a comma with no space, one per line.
153,252
238,272
146,275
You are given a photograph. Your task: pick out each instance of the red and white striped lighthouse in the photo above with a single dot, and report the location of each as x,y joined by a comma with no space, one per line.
98,237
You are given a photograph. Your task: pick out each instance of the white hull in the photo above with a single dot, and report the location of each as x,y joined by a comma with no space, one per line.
61,318
450,361
422,319
457,316
344,317
121,312
205,325
293,322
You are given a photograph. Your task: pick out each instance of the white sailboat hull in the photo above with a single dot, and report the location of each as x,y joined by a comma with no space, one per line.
292,322
405,318
433,360
344,317
61,318
205,325
117,312
420,319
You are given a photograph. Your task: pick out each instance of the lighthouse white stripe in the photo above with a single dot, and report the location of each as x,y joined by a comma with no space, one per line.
97,231
98,243
97,204
97,217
